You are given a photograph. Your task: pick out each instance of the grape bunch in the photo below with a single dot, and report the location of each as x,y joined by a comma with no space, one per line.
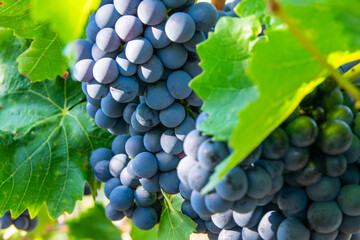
23,222
302,182
137,61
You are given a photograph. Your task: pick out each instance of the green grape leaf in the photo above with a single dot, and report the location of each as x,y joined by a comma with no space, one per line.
223,85
285,72
252,7
67,17
173,224
93,224
46,139
137,234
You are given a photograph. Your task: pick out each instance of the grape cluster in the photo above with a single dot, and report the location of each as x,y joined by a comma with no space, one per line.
137,62
302,182
23,222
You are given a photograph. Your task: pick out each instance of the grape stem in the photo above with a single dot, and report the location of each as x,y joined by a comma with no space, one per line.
344,83
219,4
353,73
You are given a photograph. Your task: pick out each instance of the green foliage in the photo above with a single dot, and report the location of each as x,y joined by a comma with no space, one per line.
282,69
223,85
173,224
44,59
93,225
67,17
45,139
137,234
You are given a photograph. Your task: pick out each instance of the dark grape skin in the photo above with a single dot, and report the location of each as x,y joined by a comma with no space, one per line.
272,167
157,36
269,224
324,190
350,225
250,234
98,54
166,161
83,70
250,219
212,228
151,12
169,182
224,220
259,182
144,198
112,214
139,50
198,204
178,84
151,184
198,177
331,99
134,145
128,28
197,38
99,155
180,27
216,204
233,234
32,224
91,31
324,217
146,116
292,200
349,199
234,185
5,221
170,143
275,145
118,144
82,49
335,166
127,180
119,128
343,236
172,116
352,155
211,153
21,223
144,218
302,131
192,143
245,205
101,171
173,56
205,16
185,191
184,128
158,97
309,175
125,67
137,126
126,7
324,236
187,210
252,157
292,229
106,16
145,165
128,112
107,40
152,70
110,185
296,158
117,164
152,141
341,112
121,198
124,89
111,108
351,175
201,227
174,3
103,121
91,110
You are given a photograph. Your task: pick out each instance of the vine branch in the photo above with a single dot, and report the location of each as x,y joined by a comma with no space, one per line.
347,85
353,73
219,4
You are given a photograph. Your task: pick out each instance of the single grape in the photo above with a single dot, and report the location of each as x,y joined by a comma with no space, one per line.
192,68
32,224
185,190
296,158
151,184
128,180
145,165
324,236
106,16
117,164
151,12
99,155
192,143
351,175
125,67
128,28
169,182
178,84
259,182
198,177
134,145
101,171
203,116
234,185
233,234
324,217
128,112
352,155
111,185
91,110
21,223
112,108
184,167
170,143
144,218
349,199
194,41
302,131
112,214
276,144
204,15
104,121
122,198
350,225
97,90
224,220
326,189
216,204
309,175
138,51
82,49
152,140
5,221
272,167
83,70
250,219
157,36
107,40
341,112
146,116
194,100
144,198
184,128
211,153
331,99
245,205
91,31
173,56
212,228
166,161
174,3
124,89
98,54
172,116
152,70
118,144
180,27
187,210
335,166
292,229
292,200
137,126
250,234
158,97
198,204
105,70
